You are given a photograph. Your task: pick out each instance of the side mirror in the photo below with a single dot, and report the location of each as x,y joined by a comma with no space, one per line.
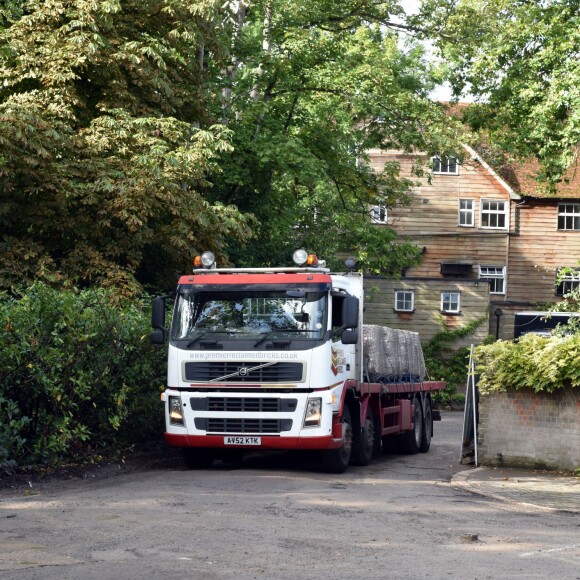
350,313
158,313
157,336
349,336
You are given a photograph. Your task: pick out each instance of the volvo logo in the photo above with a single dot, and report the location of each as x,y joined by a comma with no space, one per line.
242,372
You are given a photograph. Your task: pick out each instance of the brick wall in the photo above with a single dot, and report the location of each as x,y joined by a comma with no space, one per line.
526,429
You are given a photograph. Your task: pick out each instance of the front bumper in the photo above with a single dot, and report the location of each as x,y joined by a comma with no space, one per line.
268,442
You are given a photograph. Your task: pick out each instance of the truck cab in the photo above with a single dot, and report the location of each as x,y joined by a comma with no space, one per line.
259,358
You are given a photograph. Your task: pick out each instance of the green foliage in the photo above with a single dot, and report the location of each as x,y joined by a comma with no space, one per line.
10,10
446,362
570,303
533,362
309,88
77,374
520,59
135,134
106,149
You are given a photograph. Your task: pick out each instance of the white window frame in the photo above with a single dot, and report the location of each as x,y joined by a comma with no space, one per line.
568,282
448,304
494,212
379,214
569,212
441,165
404,306
467,212
494,274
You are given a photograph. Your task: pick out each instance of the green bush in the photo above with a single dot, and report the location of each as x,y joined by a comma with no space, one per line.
77,376
533,362
445,362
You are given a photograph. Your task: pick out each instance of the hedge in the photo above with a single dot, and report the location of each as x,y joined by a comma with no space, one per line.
78,376
532,362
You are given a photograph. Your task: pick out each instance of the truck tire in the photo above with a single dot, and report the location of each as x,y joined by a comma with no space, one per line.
378,443
337,460
410,442
197,458
363,442
427,426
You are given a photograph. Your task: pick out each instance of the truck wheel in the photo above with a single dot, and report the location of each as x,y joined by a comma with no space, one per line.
337,460
411,441
363,442
378,442
427,426
197,458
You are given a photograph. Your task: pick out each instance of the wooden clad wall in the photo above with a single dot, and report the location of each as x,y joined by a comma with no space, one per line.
489,250
431,219
426,319
538,250
532,249
434,205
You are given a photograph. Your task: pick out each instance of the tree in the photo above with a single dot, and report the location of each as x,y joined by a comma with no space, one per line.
136,133
104,158
520,59
310,86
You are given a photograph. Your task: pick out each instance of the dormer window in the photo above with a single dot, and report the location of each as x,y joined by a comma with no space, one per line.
445,165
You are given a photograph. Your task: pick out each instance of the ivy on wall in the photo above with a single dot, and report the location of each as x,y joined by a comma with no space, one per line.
444,361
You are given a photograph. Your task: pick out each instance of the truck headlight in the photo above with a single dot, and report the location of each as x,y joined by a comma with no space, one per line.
175,411
313,412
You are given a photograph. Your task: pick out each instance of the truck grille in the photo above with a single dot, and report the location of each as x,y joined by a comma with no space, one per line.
243,404
243,372
254,426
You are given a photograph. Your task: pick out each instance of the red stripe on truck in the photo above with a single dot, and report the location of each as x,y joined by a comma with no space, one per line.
217,441
233,279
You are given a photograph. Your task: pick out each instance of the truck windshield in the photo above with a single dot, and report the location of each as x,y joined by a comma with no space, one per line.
248,314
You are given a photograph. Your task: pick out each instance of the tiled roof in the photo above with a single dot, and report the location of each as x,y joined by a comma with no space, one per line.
522,176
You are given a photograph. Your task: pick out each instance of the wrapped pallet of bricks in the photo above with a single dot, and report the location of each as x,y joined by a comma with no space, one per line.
392,356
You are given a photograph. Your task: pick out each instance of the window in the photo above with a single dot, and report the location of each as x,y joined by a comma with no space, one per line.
445,165
493,214
404,300
378,214
496,277
450,302
466,213
569,216
567,281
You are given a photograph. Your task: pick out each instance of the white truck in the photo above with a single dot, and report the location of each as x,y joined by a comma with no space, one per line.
274,358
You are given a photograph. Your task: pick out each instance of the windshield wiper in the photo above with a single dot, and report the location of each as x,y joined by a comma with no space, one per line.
282,330
265,337
192,342
198,338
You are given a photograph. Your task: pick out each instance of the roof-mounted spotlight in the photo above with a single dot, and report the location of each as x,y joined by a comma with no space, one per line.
350,264
206,260
300,257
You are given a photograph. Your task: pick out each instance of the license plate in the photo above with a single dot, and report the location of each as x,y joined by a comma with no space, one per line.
242,441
